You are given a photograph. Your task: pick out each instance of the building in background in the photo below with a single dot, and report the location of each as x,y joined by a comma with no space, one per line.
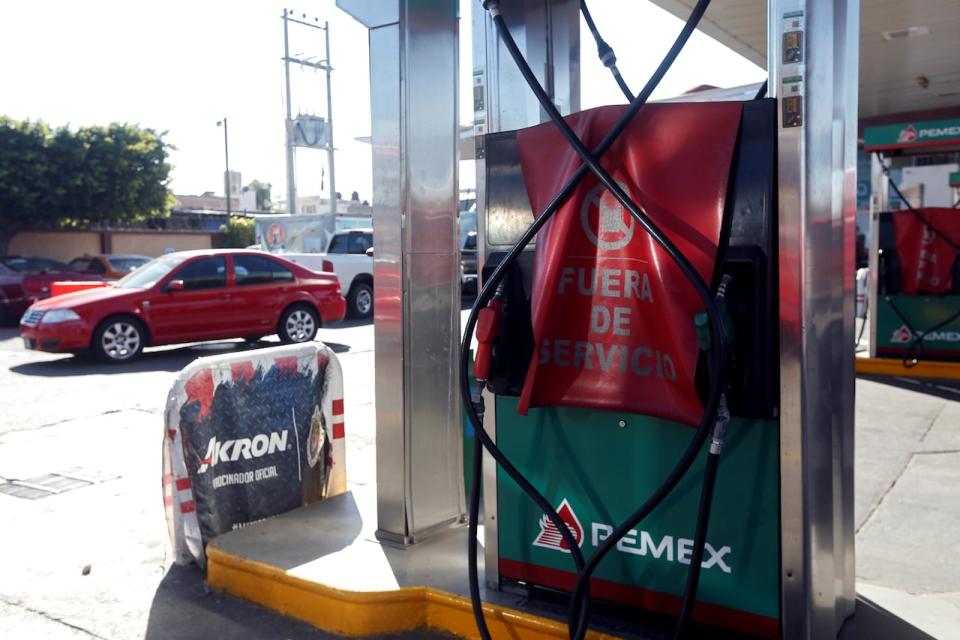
320,204
207,201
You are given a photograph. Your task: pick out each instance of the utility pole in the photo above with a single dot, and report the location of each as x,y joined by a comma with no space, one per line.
301,128
291,167
333,181
226,154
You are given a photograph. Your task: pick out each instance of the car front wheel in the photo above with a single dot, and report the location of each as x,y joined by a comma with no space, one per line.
118,340
298,324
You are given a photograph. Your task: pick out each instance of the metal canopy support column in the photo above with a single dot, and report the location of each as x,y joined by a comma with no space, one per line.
548,33
413,96
812,58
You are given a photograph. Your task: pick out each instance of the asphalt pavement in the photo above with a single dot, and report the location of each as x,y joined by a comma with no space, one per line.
94,562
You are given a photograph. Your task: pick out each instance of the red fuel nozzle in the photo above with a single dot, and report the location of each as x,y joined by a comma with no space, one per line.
488,329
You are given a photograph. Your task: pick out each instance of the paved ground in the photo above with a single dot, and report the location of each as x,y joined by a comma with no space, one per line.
94,562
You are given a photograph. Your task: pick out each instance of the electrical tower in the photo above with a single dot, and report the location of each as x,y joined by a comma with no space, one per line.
304,130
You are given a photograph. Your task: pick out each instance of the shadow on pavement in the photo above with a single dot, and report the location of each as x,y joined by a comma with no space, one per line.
946,389
184,608
349,323
870,621
164,359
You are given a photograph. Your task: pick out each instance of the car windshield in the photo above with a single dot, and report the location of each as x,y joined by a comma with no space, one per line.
126,263
25,265
150,273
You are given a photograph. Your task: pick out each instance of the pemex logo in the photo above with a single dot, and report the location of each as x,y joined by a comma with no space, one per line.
614,224
901,335
549,536
907,134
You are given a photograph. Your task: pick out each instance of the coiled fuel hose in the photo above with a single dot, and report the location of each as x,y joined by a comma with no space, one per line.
484,317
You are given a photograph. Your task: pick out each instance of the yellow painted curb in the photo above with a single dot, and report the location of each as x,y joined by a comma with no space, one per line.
355,613
894,367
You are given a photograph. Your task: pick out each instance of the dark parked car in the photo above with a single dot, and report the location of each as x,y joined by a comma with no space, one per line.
468,263
187,297
24,280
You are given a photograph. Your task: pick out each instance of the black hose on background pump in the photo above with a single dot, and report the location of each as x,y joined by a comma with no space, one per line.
605,51
715,416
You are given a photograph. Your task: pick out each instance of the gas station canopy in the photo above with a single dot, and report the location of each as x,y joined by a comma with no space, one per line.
908,50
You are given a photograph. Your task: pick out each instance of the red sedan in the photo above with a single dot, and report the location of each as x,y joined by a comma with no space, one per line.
187,297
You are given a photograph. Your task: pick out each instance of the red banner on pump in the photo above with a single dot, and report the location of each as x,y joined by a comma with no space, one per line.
926,259
612,313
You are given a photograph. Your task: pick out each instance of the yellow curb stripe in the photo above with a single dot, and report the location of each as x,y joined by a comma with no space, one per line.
923,369
355,613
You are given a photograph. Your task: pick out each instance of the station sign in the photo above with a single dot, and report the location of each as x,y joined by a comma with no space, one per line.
912,135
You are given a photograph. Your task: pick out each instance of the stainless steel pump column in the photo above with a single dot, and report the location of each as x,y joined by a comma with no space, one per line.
413,96
812,61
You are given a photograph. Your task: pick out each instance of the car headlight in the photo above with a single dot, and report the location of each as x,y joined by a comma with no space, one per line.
59,315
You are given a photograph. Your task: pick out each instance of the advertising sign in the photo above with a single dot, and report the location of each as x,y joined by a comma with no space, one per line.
249,436
613,315
910,135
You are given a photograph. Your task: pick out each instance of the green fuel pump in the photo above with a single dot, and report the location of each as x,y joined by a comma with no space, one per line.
603,488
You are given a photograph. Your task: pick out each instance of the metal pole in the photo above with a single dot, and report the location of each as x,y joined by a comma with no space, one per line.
291,169
413,100
226,154
813,74
333,182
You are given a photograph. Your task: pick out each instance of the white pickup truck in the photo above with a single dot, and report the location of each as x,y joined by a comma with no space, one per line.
306,239
349,254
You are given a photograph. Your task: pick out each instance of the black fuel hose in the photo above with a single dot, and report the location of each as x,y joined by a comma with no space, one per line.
605,51
715,361
703,521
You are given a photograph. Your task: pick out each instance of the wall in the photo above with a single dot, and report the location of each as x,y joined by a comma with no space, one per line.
155,244
67,245
59,245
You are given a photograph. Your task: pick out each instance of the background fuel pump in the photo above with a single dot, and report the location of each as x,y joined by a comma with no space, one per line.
597,364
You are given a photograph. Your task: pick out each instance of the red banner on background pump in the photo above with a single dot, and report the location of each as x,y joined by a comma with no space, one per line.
612,313
926,259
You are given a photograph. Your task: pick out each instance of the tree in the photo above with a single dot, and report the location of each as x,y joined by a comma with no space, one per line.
237,233
264,201
58,178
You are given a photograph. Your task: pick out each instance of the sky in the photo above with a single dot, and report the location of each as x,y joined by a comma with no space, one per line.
181,66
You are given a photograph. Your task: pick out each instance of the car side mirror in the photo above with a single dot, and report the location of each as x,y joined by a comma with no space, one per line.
175,285
370,252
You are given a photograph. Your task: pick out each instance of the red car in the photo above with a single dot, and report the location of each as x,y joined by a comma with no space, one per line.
25,279
187,297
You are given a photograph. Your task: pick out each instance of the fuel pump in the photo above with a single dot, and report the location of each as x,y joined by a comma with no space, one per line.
918,302
655,244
